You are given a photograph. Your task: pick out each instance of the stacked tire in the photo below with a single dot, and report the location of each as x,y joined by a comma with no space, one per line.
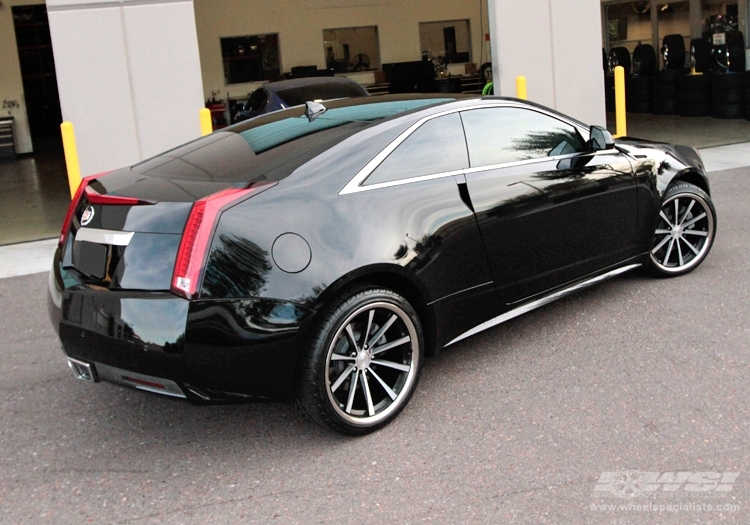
638,89
728,95
638,94
664,99
747,94
694,95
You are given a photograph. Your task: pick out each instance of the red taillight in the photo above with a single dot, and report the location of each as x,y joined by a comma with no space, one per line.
94,197
196,239
74,205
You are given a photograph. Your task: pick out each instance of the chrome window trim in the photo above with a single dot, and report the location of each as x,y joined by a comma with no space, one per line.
355,185
112,237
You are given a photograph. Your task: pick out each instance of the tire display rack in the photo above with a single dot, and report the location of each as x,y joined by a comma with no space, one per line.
674,90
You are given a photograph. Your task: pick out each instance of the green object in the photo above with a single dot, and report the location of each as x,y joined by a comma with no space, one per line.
488,89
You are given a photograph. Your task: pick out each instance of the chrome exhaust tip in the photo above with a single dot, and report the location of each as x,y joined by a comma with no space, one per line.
82,371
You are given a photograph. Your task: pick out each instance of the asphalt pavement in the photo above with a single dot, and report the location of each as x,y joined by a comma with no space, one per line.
593,400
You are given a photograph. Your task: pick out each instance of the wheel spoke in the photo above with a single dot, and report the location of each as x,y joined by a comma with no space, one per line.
382,330
695,232
679,253
388,390
352,391
694,220
339,357
368,396
687,211
663,232
662,243
392,344
693,248
352,339
676,210
391,364
369,326
664,216
342,378
669,251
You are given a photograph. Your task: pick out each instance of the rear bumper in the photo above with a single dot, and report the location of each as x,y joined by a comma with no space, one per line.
212,350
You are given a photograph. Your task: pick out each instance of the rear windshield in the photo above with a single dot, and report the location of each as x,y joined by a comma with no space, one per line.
270,147
300,95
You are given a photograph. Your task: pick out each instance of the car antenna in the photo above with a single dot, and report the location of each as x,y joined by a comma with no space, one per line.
313,110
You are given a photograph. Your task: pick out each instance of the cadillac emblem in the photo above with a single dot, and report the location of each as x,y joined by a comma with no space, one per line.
88,216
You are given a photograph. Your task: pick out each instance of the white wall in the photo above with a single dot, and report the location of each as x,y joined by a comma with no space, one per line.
11,84
128,75
300,27
561,58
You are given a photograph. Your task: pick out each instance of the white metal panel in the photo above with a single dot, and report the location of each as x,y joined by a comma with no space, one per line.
94,86
165,73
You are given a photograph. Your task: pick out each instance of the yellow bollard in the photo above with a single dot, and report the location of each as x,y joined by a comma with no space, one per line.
621,117
521,88
205,118
71,156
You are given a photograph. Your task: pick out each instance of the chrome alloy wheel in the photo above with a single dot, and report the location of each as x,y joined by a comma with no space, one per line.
684,233
372,363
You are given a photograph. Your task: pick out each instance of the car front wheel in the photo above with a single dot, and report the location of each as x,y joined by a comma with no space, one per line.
685,230
362,361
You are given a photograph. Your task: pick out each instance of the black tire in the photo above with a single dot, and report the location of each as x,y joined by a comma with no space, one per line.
747,94
339,353
675,46
644,59
609,92
694,83
728,96
736,50
621,56
694,96
694,109
670,237
638,95
664,106
727,81
702,53
635,83
665,91
668,76
746,79
747,112
639,106
728,111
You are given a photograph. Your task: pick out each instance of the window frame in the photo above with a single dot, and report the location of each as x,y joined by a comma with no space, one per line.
536,159
356,184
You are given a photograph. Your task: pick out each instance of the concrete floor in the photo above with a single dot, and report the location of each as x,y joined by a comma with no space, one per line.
34,193
698,132
35,197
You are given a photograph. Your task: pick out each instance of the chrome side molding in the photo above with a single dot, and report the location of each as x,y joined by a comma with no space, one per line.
112,237
533,305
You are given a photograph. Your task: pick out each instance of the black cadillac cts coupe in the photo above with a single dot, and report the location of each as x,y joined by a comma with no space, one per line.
322,253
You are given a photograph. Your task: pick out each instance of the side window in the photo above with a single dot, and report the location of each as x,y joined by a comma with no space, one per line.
500,135
437,146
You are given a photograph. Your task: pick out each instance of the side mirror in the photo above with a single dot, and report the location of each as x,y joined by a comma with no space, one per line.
601,139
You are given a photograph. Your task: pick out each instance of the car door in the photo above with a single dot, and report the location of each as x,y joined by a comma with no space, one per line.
549,209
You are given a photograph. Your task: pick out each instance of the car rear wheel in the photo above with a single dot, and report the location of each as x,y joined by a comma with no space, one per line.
685,230
362,362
